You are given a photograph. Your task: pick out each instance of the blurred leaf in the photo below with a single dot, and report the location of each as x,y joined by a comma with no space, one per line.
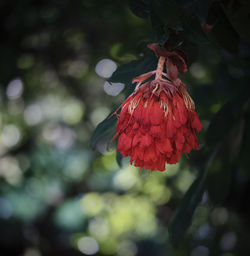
226,162
191,50
198,8
119,158
169,12
192,198
244,154
105,129
164,39
239,16
157,25
140,8
175,42
69,215
192,30
224,34
225,119
126,73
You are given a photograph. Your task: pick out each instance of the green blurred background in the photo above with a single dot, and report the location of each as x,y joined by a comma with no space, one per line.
60,197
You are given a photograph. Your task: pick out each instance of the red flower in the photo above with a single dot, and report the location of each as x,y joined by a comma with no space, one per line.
158,121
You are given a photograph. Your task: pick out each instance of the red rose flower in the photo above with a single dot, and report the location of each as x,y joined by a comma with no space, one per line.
158,122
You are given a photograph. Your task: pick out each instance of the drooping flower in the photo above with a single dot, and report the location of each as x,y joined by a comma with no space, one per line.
158,122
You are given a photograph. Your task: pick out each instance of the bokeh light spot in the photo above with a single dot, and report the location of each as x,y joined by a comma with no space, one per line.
73,112
31,252
92,204
25,61
124,179
33,114
228,241
113,89
10,135
105,68
219,216
88,245
197,70
14,89
127,248
99,228
5,208
200,251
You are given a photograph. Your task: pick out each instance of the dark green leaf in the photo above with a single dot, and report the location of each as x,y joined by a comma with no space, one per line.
169,12
164,39
222,170
192,198
119,158
225,119
126,73
239,17
224,34
244,154
157,25
106,129
198,8
140,8
193,32
176,41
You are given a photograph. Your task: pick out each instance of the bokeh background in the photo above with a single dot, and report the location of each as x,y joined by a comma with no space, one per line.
58,196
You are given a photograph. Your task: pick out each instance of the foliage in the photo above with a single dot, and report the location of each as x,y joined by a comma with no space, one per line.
59,197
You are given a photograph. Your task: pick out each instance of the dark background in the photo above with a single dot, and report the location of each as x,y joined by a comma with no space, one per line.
58,196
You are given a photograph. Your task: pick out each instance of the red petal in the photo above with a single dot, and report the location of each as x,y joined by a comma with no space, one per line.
150,154
156,131
174,158
137,153
179,141
124,143
139,163
196,123
135,126
156,113
170,128
146,140
164,146
186,148
137,114
143,77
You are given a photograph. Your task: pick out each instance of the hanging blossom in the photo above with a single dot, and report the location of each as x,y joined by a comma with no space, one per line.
158,122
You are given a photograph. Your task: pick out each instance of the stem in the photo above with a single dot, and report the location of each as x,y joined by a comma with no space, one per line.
160,67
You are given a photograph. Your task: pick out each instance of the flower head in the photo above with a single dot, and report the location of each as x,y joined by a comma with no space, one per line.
158,122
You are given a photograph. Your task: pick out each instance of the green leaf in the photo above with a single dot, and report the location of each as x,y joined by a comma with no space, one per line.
157,25
222,171
106,129
224,35
126,73
169,12
176,42
244,154
198,8
140,8
164,39
225,119
239,17
119,158
192,30
192,198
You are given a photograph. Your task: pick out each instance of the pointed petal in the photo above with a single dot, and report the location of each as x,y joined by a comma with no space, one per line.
143,77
